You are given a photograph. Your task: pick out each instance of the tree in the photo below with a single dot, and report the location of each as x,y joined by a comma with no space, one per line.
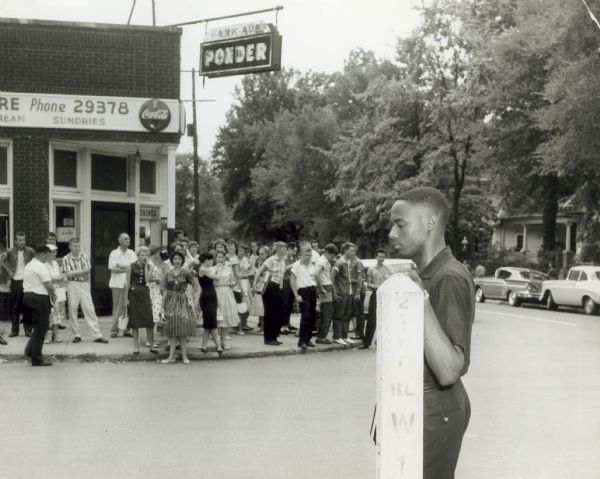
215,218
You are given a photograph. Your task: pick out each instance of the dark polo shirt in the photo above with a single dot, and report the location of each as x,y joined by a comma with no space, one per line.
452,296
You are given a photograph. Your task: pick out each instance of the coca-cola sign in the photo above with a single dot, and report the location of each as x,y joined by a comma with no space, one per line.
155,115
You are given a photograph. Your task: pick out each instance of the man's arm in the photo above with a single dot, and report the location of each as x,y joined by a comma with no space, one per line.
370,284
115,267
294,285
334,290
445,359
318,269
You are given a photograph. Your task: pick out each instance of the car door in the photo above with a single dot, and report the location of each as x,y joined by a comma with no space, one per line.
497,284
580,289
562,292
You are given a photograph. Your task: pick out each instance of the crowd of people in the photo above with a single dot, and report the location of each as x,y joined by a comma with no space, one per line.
172,290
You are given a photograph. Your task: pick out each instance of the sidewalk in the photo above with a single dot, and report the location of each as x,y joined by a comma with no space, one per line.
120,349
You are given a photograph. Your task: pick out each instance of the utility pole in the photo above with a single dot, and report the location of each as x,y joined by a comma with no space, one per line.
154,12
196,179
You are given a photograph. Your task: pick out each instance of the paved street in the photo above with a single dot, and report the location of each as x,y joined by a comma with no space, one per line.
533,384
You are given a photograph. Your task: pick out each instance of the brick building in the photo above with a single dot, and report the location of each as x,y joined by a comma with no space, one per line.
90,119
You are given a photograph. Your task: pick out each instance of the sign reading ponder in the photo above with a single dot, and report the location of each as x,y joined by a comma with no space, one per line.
240,55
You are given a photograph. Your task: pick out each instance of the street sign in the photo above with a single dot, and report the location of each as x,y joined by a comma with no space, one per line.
237,55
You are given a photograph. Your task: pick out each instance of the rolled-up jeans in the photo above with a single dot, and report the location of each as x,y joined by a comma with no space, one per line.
446,416
326,316
343,314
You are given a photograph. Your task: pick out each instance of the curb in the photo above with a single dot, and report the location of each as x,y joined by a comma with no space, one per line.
193,354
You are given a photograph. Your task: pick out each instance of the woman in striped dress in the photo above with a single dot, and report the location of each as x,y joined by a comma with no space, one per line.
180,319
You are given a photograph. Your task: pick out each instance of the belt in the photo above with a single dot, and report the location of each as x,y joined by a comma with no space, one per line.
77,280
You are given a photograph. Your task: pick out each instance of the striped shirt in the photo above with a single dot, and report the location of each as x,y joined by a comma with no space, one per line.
71,263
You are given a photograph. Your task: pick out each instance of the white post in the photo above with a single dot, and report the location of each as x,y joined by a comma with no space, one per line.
524,238
400,314
568,238
171,199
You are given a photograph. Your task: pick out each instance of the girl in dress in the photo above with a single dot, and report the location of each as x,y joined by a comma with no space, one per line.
208,301
257,308
238,292
227,314
139,275
180,319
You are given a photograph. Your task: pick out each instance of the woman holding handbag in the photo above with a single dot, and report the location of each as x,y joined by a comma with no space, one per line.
138,277
227,316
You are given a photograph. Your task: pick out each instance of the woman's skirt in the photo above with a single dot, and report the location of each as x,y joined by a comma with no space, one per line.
227,313
157,303
180,318
208,305
140,308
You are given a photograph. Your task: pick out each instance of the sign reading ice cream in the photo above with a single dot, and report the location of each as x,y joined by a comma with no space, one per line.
240,49
31,110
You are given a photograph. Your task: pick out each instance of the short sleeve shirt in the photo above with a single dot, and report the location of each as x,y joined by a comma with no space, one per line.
452,296
276,266
35,274
117,280
325,273
305,274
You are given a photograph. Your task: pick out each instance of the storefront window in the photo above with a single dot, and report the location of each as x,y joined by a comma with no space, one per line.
148,177
3,165
109,173
65,168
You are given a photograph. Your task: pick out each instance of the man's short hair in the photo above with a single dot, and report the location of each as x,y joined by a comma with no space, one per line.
42,249
20,233
279,244
379,250
331,249
347,245
430,198
123,234
74,239
304,244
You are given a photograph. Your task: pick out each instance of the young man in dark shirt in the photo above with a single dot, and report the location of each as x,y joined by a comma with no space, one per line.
419,219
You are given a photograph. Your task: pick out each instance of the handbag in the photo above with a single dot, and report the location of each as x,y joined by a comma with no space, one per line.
242,308
123,320
262,282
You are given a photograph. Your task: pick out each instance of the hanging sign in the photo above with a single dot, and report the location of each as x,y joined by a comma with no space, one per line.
240,49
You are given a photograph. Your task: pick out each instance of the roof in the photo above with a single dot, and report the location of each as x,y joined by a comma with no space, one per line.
102,26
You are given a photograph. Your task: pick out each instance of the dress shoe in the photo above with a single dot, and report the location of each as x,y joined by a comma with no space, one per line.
358,338
324,341
349,340
293,329
13,334
114,335
127,335
364,346
340,341
272,343
310,344
302,346
101,340
3,341
76,339
247,328
60,326
43,363
278,342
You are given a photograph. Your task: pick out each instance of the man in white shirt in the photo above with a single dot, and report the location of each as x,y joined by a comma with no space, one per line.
38,296
76,267
118,262
304,286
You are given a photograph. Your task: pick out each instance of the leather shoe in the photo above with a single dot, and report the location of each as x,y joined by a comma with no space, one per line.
43,363
101,340
3,341
76,339
113,335
302,346
310,344
13,334
324,341
364,346
127,335
272,343
358,338
62,326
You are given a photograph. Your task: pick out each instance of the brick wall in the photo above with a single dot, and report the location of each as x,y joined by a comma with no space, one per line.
74,59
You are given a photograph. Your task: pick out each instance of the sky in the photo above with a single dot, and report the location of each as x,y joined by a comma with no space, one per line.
317,35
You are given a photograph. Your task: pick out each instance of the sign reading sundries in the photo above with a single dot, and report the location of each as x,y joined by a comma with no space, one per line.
237,55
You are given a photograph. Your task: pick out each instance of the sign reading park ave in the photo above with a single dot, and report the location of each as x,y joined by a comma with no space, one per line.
82,112
230,54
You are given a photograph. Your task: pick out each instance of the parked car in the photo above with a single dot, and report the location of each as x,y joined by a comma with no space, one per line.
581,288
515,285
394,264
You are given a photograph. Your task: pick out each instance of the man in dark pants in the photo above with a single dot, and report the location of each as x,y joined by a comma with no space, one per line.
419,219
38,294
343,294
357,275
324,290
272,297
375,278
15,261
304,286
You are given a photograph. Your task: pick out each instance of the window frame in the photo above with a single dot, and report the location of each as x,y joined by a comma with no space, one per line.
127,175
